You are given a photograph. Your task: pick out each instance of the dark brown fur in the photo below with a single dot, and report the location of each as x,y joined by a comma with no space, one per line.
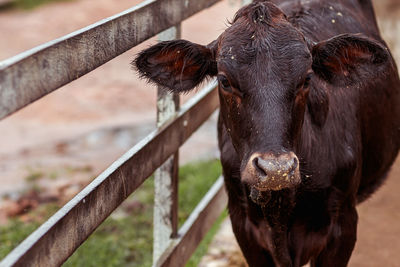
313,80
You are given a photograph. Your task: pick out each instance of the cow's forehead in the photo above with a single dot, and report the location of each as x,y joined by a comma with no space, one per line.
257,30
240,43
241,46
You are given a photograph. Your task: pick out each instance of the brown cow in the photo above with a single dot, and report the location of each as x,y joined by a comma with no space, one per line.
309,121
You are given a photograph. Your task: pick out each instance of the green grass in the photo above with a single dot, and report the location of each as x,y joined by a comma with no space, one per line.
125,238
12,234
194,181
27,4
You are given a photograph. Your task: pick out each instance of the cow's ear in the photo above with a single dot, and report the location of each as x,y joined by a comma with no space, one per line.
349,58
178,65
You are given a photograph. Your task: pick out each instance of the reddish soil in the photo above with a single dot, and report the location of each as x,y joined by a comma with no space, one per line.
65,139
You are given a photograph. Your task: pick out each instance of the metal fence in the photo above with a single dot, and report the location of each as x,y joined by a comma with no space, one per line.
39,71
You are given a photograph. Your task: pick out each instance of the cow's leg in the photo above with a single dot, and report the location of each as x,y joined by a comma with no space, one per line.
339,248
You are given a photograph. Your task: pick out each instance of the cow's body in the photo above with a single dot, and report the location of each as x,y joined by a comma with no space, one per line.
342,127
344,161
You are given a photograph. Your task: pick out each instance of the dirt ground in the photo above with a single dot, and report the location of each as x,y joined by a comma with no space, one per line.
65,139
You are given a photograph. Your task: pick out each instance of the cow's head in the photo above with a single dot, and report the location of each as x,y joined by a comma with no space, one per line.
268,75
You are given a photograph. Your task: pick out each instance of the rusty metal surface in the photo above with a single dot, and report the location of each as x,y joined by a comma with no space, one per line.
41,70
53,242
196,226
165,219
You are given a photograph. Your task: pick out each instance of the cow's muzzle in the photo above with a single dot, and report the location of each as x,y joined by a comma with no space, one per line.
267,171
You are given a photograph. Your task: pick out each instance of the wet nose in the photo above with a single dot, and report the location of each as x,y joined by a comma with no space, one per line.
276,172
275,167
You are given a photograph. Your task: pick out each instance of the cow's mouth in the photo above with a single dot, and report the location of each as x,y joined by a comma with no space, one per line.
259,197
278,182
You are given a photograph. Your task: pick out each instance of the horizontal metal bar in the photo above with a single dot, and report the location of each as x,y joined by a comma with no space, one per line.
196,226
53,242
41,70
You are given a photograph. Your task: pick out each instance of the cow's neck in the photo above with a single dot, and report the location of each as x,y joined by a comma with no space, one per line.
277,212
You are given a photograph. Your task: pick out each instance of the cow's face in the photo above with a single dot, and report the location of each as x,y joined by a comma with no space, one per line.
264,69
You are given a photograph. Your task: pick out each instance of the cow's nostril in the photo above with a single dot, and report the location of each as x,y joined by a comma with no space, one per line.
258,166
275,167
294,165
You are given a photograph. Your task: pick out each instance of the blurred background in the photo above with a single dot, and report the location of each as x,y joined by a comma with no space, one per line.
51,149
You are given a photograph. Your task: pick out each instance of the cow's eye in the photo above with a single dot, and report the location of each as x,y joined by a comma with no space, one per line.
307,81
225,85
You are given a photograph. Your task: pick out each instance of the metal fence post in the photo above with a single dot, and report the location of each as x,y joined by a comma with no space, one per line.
166,177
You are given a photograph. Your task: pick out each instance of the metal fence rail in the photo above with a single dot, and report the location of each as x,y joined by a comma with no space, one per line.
195,227
37,72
